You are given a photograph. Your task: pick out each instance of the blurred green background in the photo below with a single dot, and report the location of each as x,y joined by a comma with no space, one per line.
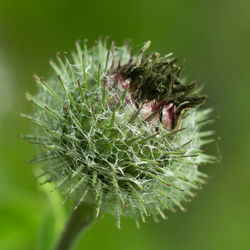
213,36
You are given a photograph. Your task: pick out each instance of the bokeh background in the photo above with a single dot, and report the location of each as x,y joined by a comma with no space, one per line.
214,38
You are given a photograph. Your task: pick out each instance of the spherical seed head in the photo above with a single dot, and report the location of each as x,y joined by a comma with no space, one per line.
120,132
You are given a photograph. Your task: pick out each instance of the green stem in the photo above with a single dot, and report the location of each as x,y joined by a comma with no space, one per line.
80,218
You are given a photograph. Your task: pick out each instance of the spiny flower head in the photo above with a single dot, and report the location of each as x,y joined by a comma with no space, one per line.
120,132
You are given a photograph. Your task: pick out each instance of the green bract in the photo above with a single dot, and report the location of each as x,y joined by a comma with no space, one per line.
120,132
